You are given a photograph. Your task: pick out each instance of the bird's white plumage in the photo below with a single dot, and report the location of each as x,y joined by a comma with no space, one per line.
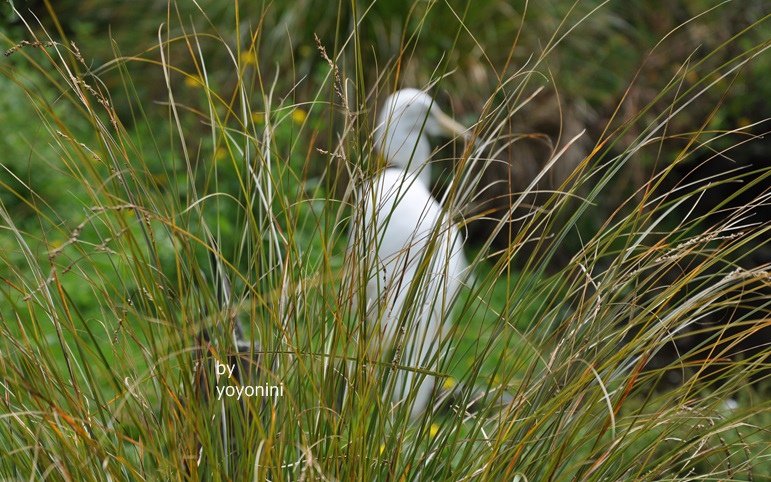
405,121
410,248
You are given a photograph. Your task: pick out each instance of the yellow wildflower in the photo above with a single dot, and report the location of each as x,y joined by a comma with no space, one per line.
449,383
299,115
248,57
192,81
258,117
220,153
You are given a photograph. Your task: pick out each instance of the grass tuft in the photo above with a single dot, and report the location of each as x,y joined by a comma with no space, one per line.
226,201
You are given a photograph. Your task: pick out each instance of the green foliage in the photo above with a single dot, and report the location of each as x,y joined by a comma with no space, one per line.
219,137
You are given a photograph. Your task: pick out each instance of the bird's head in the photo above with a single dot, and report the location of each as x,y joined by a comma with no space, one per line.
407,117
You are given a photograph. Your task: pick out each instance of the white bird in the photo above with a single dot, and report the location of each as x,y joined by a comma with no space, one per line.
412,250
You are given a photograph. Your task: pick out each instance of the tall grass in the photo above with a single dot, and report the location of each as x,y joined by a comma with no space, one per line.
108,385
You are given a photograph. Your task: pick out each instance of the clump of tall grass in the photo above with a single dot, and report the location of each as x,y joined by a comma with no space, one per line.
105,385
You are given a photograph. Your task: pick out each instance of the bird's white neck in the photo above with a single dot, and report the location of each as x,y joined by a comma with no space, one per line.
407,148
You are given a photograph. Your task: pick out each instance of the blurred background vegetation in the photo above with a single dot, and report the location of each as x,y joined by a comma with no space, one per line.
612,61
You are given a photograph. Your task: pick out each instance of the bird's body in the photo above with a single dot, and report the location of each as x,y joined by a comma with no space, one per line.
412,250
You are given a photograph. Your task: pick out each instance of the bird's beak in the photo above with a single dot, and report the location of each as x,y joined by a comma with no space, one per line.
450,126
